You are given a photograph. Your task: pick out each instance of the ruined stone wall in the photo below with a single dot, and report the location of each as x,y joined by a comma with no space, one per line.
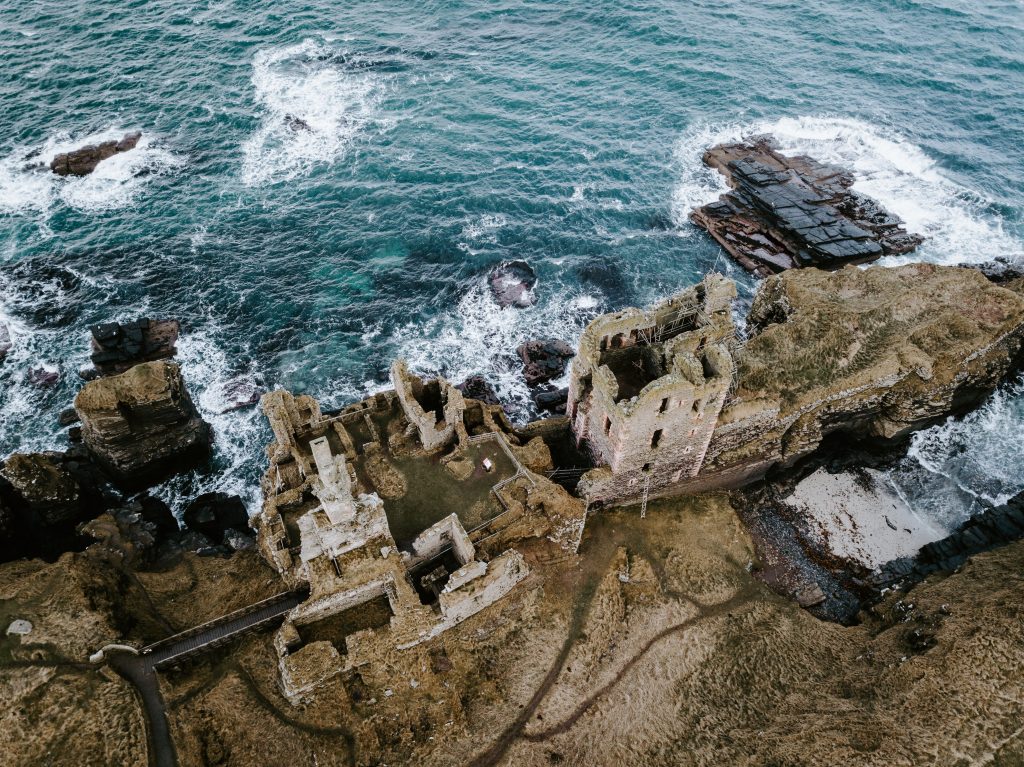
449,532
660,434
434,433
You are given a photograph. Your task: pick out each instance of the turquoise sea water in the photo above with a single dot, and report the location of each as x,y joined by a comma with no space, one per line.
446,137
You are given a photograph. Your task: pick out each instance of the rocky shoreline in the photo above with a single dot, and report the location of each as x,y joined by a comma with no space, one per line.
687,467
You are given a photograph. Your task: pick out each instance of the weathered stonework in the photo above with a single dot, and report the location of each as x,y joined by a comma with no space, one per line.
433,408
647,388
866,352
335,521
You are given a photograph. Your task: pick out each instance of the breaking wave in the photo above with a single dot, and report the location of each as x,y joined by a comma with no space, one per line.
478,337
28,187
239,435
958,222
957,468
313,107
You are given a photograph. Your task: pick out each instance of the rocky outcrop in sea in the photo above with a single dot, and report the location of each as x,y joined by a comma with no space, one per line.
786,212
83,161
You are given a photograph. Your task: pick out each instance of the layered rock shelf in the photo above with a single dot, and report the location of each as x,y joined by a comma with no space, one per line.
118,346
785,212
141,425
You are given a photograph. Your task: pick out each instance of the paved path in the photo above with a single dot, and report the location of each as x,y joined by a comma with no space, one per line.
141,669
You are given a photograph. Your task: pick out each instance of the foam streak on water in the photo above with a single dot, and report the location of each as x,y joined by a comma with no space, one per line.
312,108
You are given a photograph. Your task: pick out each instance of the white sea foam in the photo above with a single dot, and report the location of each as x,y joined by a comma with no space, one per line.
27,186
484,225
954,469
312,109
479,337
239,435
957,221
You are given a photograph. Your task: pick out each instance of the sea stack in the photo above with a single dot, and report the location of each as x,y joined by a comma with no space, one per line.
141,426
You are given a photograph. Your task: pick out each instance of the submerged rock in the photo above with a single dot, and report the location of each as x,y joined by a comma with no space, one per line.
118,346
141,426
238,393
786,212
42,376
83,161
544,359
512,284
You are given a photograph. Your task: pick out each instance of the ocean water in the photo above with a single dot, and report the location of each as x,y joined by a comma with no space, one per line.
443,138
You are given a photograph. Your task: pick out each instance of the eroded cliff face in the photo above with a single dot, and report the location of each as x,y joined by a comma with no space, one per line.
140,426
867,352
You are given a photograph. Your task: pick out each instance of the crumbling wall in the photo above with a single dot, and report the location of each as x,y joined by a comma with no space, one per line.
435,430
468,598
449,532
680,357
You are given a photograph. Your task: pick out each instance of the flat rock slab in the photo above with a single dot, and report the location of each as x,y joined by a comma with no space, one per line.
118,346
786,212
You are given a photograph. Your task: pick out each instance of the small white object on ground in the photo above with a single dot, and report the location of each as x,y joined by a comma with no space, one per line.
19,627
488,465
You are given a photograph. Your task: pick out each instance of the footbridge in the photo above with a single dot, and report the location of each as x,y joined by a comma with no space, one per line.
208,636
140,666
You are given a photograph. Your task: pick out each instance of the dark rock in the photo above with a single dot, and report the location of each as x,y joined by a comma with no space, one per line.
239,393
785,212
67,416
552,401
1000,270
215,514
141,425
158,514
297,123
512,284
83,161
75,434
43,497
117,347
42,377
479,388
544,360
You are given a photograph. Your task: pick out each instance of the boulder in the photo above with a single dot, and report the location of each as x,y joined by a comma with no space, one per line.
83,161
239,393
785,212
512,284
554,401
544,359
215,514
42,376
118,346
480,389
141,426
